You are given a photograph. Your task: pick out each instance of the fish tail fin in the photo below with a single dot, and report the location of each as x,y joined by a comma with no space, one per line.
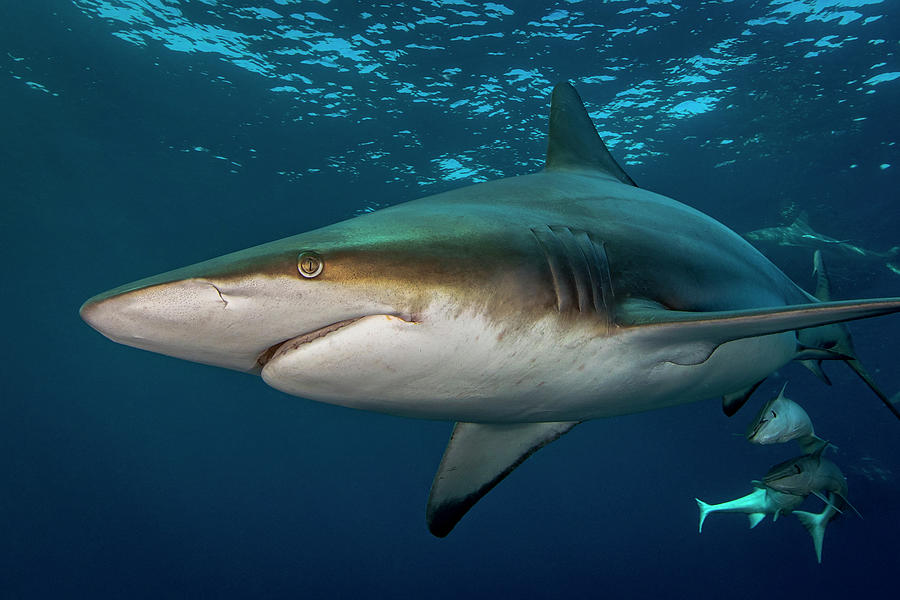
705,509
815,525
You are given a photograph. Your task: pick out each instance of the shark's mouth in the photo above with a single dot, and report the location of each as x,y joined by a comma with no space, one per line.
296,342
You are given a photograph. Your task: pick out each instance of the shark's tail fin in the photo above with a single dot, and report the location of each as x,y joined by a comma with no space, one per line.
833,341
860,370
815,524
705,509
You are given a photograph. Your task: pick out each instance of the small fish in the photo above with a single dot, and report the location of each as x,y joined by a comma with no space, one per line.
809,474
785,487
756,505
782,420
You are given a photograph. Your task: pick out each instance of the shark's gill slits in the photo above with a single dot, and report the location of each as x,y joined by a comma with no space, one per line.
580,270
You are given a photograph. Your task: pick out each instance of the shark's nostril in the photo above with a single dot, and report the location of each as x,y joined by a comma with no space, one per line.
219,292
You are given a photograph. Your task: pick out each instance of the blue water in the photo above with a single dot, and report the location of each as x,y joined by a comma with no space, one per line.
139,136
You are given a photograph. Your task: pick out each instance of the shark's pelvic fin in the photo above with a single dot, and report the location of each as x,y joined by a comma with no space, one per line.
731,403
478,457
573,142
815,366
694,336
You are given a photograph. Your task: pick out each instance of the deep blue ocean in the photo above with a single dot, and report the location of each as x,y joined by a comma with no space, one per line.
143,135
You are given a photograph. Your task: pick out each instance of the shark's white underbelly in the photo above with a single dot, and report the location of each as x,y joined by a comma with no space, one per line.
467,368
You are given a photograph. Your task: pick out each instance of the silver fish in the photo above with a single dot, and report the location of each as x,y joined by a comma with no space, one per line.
782,420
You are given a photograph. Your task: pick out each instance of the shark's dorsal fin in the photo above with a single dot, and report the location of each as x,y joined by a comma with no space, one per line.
573,141
478,457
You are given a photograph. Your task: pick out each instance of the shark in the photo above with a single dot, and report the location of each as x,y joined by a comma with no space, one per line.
799,233
836,340
515,308
829,342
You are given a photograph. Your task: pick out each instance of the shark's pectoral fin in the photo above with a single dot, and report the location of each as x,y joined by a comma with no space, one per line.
694,336
478,457
731,403
573,142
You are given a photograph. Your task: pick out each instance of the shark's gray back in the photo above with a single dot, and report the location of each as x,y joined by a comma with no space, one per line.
658,249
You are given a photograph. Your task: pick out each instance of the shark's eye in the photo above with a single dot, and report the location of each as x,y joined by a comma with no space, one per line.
310,264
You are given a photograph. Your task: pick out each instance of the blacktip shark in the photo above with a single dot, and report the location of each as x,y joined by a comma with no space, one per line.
517,308
782,420
800,234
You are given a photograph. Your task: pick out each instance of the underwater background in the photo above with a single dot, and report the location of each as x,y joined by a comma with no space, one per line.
143,135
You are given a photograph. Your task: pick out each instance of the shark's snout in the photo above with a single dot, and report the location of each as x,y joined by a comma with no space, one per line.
190,319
